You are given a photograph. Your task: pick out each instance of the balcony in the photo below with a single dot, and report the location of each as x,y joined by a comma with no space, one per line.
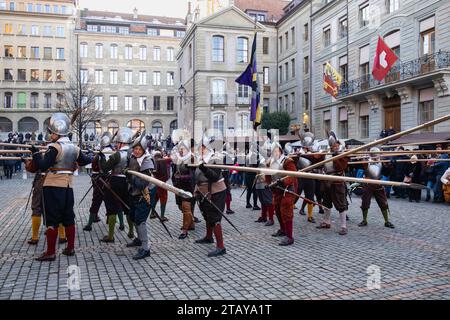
219,100
412,71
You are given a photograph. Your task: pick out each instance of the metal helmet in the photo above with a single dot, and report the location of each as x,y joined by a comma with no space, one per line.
374,152
184,143
274,146
106,139
142,140
179,135
59,124
123,135
307,139
332,139
207,142
288,148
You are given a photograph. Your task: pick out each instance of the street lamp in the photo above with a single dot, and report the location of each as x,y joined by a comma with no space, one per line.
184,98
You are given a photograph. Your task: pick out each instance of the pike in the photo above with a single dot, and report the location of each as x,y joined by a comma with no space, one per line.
306,175
162,222
415,144
305,199
400,160
113,193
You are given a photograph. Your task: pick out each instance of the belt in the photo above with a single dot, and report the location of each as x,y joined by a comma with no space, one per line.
95,172
61,172
119,175
203,183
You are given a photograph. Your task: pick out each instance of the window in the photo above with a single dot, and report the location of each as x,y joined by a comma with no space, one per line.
243,96
34,75
305,32
156,54
156,103
218,92
170,54
156,78
113,103
99,51
266,75
136,125
281,44
364,14
343,68
21,29
8,100
113,127
113,77
60,75
113,51
128,77
286,36
9,75
180,34
34,100
170,78
219,122
173,126
306,65
426,107
128,103
108,29
266,103
47,53
293,36
343,27
128,52
47,8
84,76
38,8
286,103
83,50
92,28
35,52
30,7
326,36
170,103
293,68
143,53
98,76
60,32
364,53
21,52
427,41
292,102
157,127
34,30
47,31
217,49
21,75
2,5
265,45
392,5
243,124
21,100
9,51
60,99
327,121
124,30
280,74
55,9
242,50
12,6
63,9
142,103
364,71
343,123
152,32
60,53
280,104
364,119
286,71
142,77
306,101
48,75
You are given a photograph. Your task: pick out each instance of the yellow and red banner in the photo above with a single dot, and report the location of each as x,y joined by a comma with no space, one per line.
331,80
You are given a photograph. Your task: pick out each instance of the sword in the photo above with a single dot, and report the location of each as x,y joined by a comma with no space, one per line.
86,194
162,222
215,207
29,197
307,200
113,193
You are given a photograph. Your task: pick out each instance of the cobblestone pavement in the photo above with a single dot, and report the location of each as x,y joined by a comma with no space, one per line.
413,259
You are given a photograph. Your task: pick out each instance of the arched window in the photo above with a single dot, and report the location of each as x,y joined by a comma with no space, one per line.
242,50
218,49
113,127
46,124
173,126
128,52
157,127
136,125
143,53
113,50
28,124
170,54
99,51
5,125
83,50
218,92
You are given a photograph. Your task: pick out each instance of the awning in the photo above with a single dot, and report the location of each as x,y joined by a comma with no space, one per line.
353,142
422,137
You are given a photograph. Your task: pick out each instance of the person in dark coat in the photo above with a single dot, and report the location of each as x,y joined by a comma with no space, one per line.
414,171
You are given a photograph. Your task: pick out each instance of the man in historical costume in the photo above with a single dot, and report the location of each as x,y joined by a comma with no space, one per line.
335,193
265,195
140,161
36,202
183,178
283,201
306,158
60,161
373,171
116,194
98,190
210,190
162,173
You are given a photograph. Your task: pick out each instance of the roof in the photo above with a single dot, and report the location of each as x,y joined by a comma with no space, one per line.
274,8
128,17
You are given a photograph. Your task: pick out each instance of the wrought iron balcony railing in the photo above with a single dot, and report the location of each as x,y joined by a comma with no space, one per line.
399,72
219,99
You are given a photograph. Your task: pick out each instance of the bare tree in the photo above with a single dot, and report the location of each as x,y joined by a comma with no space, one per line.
79,102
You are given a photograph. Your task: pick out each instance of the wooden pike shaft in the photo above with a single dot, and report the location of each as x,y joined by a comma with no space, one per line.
14,158
415,144
378,142
15,145
401,160
406,152
314,176
161,184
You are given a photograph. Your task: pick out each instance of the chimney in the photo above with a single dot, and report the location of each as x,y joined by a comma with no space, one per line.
135,13
189,7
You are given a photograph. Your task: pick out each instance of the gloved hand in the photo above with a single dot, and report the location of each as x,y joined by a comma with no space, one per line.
33,149
280,183
125,171
201,166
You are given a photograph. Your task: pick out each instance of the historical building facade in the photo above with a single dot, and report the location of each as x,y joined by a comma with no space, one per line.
36,56
130,58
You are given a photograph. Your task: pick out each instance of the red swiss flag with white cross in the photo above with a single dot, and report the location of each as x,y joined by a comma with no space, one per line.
384,60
